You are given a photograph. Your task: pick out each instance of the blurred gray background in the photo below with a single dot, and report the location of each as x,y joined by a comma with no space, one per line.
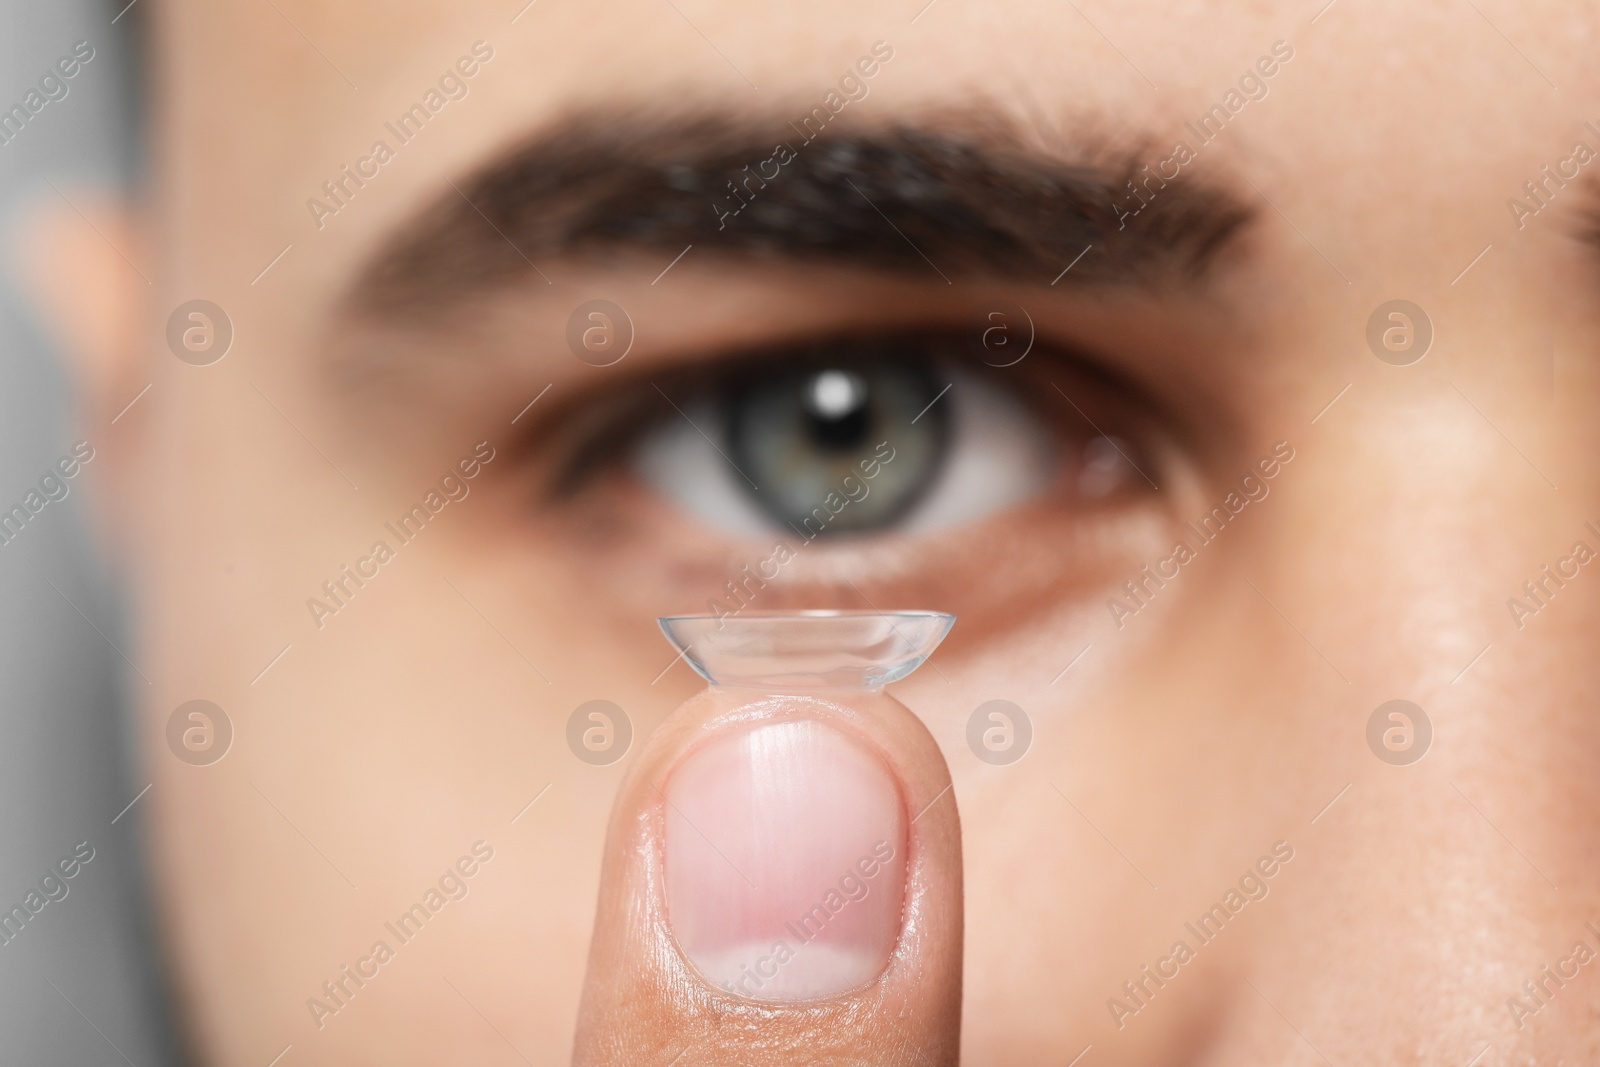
81,983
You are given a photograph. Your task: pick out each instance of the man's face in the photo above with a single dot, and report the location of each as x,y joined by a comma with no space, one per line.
433,498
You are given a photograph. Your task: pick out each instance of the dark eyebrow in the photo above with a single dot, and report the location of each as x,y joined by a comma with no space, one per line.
959,196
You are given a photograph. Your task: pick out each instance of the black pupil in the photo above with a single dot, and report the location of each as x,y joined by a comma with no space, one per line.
838,412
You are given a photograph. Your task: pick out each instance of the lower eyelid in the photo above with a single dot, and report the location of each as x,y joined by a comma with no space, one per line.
995,572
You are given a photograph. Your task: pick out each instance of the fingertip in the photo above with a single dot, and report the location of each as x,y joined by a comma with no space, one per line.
782,872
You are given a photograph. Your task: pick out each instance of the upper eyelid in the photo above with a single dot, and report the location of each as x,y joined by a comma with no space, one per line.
644,399
590,433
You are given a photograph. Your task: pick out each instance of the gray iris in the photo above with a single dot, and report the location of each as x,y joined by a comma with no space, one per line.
814,439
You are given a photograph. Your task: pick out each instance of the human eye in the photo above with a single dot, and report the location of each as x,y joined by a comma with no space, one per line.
898,462
862,436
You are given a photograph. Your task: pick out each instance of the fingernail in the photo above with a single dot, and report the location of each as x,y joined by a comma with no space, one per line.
785,861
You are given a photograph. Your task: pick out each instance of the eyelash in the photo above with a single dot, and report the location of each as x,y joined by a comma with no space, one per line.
598,434
602,432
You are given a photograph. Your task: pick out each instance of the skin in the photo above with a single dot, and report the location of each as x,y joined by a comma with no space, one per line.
1175,753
